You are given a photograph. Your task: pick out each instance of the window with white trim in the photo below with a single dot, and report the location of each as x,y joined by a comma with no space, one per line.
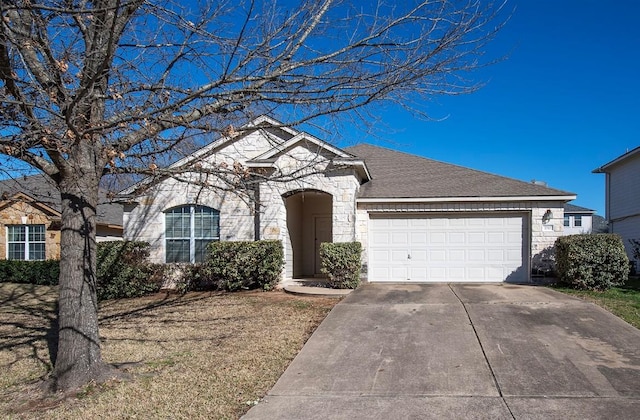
188,231
577,220
26,242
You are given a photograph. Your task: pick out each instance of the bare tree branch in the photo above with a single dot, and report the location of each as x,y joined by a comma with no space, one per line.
132,87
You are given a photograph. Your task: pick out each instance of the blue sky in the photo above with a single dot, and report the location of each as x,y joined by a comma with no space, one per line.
565,101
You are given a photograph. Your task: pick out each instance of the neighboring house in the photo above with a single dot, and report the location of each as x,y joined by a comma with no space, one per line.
577,219
30,219
419,220
622,196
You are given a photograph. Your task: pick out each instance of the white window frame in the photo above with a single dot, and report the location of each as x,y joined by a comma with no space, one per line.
193,239
28,242
577,219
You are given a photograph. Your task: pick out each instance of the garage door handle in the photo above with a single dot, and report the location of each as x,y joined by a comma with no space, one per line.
408,257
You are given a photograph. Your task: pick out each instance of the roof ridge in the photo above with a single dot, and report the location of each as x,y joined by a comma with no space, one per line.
414,156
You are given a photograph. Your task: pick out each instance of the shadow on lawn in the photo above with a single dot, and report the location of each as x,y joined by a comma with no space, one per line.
29,321
632,284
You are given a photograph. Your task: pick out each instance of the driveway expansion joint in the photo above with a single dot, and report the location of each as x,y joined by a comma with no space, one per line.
484,353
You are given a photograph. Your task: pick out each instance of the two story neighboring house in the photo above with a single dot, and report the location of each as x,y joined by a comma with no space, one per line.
622,196
577,219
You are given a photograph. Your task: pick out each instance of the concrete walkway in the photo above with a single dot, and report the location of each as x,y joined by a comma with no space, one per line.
396,351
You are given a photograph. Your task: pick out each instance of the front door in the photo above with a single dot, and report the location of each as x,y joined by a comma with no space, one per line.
323,233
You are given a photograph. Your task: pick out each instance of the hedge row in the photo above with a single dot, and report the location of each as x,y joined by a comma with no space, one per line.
32,272
123,270
592,262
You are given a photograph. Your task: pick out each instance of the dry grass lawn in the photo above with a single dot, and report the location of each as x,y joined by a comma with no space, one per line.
201,355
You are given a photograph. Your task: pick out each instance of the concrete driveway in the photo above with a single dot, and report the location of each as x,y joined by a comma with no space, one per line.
395,351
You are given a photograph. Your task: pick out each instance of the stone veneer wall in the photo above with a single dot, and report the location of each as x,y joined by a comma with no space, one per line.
145,220
543,236
14,214
341,185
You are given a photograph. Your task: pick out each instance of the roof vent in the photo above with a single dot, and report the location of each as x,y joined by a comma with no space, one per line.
536,182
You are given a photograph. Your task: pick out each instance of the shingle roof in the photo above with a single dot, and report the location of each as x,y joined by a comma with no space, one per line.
42,189
402,175
572,208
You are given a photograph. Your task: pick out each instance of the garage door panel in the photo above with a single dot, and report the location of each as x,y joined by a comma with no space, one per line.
437,255
476,238
399,238
419,255
457,238
436,238
399,256
447,248
495,237
380,238
457,255
418,238
476,255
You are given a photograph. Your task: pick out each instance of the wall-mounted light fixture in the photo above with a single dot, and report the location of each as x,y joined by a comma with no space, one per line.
547,216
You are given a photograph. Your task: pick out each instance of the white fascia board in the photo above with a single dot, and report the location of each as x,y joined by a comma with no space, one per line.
466,199
356,163
217,143
251,164
298,138
273,122
604,168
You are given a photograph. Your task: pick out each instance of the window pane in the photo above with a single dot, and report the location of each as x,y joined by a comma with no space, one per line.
178,250
37,251
577,221
566,220
36,233
201,249
206,224
16,251
178,224
17,233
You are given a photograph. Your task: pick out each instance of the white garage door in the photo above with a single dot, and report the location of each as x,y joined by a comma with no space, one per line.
448,248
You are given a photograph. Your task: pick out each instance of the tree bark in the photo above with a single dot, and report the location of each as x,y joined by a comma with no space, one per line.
79,359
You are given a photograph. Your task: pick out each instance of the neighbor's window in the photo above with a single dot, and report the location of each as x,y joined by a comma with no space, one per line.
566,220
577,221
26,242
188,231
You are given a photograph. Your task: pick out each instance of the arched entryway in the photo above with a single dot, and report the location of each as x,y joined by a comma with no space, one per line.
309,223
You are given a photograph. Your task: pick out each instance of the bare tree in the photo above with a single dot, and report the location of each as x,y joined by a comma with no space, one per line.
91,88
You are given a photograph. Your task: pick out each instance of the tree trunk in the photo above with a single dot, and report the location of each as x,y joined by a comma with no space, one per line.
79,359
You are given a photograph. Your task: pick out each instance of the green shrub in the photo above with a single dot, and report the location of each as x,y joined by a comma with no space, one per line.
243,265
183,277
591,262
341,263
123,270
32,272
635,250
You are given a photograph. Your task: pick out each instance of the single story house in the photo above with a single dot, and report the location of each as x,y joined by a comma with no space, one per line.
419,220
30,211
622,196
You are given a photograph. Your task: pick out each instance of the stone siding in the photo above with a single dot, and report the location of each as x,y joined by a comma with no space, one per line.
21,213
